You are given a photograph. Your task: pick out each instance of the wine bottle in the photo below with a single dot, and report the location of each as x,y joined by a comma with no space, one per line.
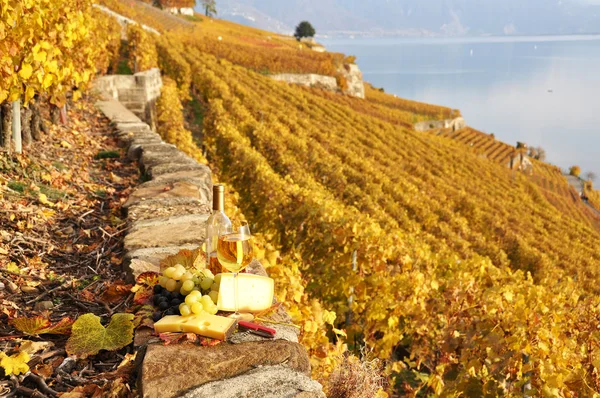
216,221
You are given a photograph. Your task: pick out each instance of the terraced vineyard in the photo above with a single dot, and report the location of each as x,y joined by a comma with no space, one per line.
482,143
463,266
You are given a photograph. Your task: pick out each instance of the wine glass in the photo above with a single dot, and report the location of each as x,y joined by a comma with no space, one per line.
234,252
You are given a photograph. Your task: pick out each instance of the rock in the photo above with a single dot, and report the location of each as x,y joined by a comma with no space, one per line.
153,255
43,306
171,167
169,371
166,190
166,207
136,267
1,286
308,80
151,147
354,80
168,231
264,382
198,174
162,155
116,112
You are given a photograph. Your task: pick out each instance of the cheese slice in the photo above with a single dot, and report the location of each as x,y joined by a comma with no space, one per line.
213,326
255,293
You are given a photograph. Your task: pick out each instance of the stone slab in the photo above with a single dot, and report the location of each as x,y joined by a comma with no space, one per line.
169,371
151,148
171,167
167,231
150,160
166,190
264,382
166,207
116,112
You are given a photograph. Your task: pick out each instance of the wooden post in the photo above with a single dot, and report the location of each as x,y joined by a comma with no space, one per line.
351,297
16,126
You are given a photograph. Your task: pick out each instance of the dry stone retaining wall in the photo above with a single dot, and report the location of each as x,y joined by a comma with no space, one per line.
137,92
166,214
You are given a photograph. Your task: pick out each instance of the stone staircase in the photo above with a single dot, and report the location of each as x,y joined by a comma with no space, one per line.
166,214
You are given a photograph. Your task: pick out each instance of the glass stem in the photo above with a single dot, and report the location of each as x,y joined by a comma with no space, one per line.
235,293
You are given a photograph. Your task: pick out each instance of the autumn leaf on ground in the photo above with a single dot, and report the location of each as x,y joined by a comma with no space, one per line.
15,364
40,325
89,337
143,289
33,347
177,338
143,316
115,293
90,390
44,200
190,259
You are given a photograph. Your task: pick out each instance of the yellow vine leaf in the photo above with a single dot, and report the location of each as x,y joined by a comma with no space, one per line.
89,337
14,364
26,71
44,200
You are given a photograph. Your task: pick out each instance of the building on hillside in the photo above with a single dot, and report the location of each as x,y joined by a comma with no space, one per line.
184,7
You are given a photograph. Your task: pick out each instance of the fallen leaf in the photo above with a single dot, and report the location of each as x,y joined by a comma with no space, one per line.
65,144
115,293
44,200
89,390
44,370
40,325
144,287
143,317
177,338
33,347
89,337
15,364
190,259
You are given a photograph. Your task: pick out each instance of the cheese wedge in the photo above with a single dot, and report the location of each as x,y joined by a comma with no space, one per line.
255,293
213,326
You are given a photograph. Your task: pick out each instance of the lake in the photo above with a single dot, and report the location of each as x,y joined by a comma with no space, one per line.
544,91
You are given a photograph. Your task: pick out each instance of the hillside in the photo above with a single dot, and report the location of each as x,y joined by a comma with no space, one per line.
467,277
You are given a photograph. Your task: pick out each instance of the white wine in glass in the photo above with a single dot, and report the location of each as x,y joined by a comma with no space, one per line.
234,252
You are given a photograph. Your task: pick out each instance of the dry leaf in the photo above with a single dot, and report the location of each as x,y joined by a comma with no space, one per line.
15,364
40,325
89,337
33,347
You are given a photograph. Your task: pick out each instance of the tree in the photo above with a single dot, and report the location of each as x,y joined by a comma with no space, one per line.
591,176
304,29
210,7
575,171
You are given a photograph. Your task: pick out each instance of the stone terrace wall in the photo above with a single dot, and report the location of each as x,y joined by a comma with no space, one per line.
455,124
309,80
137,92
166,214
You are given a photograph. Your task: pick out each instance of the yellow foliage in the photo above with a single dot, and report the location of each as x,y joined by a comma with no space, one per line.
142,51
15,364
171,124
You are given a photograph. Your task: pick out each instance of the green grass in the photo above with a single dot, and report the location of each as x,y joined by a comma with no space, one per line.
17,186
59,166
52,193
108,155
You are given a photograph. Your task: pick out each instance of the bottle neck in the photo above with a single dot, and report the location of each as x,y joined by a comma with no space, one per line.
219,201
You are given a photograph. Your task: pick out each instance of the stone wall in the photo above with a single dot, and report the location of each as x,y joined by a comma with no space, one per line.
137,92
351,72
455,124
354,79
309,80
168,213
